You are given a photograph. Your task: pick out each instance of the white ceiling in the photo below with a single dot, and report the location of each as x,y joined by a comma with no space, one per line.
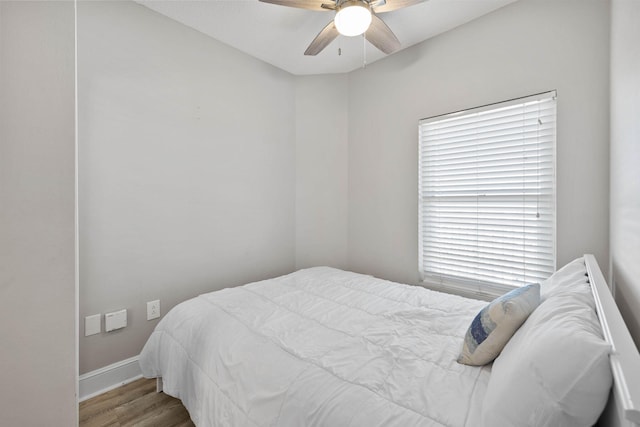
279,35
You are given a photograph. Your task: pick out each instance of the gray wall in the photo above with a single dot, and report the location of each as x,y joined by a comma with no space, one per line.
37,209
321,170
527,47
625,158
187,169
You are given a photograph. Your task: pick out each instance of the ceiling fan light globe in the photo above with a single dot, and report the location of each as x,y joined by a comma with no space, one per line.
353,20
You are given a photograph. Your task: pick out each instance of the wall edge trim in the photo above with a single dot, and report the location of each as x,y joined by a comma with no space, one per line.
108,378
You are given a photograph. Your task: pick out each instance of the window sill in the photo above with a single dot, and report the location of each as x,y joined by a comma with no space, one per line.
462,290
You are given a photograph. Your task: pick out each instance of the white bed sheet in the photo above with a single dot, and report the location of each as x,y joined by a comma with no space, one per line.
319,347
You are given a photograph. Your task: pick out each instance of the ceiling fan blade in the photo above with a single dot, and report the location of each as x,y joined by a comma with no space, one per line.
326,36
302,4
381,36
390,5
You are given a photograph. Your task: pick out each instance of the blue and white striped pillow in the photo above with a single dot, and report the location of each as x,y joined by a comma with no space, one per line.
496,323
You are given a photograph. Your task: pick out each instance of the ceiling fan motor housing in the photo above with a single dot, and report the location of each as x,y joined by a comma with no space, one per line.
345,3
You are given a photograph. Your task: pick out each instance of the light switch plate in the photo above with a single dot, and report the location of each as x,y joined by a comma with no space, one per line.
92,325
115,320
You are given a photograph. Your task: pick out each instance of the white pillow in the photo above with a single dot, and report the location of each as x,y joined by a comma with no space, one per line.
555,369
572,278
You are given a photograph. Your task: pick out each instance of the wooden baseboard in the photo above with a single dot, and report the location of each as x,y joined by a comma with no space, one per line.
105,379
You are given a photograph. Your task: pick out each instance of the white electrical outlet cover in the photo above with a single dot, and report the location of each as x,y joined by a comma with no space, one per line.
153,309
115,320
92,325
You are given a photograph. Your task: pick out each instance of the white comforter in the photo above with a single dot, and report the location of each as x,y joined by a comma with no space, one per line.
319,347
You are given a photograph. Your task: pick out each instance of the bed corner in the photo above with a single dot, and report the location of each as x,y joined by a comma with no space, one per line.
623,407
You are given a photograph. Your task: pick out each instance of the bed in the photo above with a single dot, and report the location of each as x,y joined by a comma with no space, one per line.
326,347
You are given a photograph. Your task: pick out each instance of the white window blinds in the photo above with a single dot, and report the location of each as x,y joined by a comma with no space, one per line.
487,194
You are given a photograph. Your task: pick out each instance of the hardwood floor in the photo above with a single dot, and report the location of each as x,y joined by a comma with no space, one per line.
134,404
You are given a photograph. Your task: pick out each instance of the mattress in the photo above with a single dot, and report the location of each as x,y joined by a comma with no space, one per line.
319,347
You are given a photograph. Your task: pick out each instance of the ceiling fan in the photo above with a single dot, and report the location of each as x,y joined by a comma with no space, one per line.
352,18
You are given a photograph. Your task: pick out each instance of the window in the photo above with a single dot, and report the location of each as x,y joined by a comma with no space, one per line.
487,195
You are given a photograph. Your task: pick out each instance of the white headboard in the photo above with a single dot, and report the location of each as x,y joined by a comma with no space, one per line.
623,408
